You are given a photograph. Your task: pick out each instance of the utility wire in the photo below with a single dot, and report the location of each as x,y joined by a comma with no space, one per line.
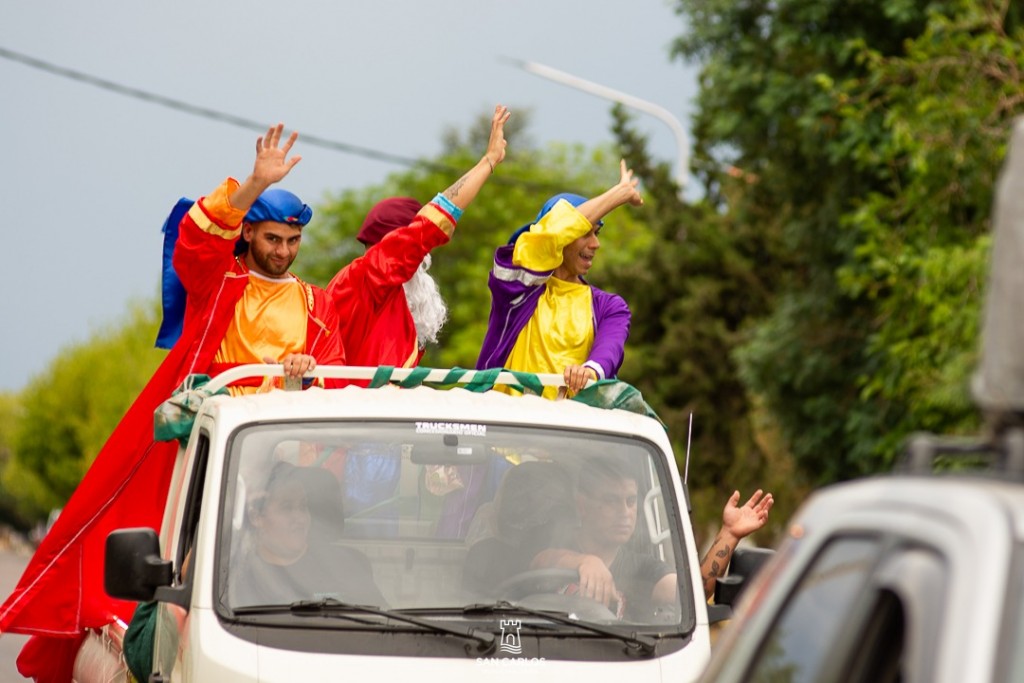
202,112
249,124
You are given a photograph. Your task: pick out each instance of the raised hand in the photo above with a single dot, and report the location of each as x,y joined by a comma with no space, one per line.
751,516
496,144
272,162
628,185
464,190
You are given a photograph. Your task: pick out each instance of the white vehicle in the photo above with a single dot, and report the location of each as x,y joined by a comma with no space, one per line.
910,577
417,516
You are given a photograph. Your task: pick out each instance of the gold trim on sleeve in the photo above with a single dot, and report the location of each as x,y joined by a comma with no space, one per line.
206,224
438,218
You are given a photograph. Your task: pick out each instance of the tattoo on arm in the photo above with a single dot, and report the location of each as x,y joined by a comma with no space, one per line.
453,191
722,550
710,578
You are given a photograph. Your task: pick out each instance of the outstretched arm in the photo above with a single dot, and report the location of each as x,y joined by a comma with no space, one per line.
464,190
737,522
272,164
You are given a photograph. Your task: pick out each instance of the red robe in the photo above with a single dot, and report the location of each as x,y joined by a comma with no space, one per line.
61,591
377,327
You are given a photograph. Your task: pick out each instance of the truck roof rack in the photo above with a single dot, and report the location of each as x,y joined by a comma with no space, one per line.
175,417
385,374
925,453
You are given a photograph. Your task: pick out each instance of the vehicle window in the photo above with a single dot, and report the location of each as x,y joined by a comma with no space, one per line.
190,521
423,515
170,619
802,638
898,638
879,657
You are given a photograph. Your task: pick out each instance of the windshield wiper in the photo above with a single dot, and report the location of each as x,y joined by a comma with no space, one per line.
635,642
485,639
278,608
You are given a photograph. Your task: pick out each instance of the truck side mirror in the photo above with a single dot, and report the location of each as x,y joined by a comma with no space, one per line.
745,564
133,567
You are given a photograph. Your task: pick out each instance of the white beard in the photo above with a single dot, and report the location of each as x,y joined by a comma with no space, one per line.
429,311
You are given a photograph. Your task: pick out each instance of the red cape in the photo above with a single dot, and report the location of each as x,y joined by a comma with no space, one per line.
61,591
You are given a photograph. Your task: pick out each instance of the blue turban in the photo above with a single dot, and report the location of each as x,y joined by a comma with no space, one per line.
573,199
280,206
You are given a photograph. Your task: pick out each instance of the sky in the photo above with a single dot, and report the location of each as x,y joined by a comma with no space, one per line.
89,174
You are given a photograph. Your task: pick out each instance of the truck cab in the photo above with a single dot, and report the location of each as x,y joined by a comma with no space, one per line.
912,576
422,531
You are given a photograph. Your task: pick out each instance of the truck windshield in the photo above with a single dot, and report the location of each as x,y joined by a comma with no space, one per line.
436,516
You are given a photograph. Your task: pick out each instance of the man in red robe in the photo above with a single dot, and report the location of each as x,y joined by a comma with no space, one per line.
61,591
389,307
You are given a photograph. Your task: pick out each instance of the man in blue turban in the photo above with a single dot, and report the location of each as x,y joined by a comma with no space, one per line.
240,291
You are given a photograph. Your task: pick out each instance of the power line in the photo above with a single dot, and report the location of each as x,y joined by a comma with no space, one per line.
202,112
249,124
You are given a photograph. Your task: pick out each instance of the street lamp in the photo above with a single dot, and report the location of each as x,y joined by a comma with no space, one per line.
657,111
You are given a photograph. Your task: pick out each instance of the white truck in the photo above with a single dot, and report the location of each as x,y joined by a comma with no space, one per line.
910,577
395,534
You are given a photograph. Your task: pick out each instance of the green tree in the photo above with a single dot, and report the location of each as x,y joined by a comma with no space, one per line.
691,292
870,166
922,241
9,415
68,411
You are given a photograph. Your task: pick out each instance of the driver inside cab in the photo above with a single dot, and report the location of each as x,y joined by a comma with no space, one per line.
628,582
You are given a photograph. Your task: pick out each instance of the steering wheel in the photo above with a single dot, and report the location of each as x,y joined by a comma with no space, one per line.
541,589
551,580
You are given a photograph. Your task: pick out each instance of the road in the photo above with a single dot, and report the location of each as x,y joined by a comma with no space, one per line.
11,566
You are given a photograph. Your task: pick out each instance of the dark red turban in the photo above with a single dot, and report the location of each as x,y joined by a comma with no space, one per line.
385,216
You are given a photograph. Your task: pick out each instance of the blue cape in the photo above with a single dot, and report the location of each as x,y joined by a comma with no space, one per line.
172,291
280,206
